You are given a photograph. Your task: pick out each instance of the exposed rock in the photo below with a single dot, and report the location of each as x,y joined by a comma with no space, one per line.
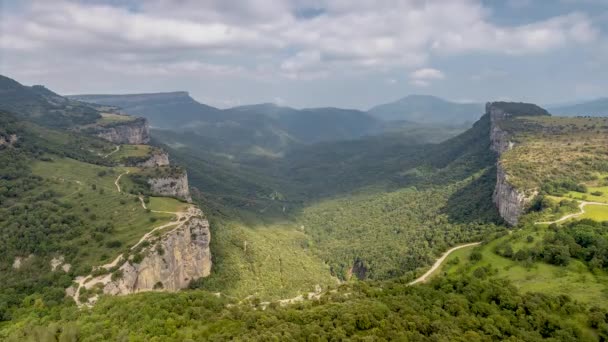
511,202
172,186
180,256
158,158
18,262
498,137
8,140
358,270
66,267
129,132
56,262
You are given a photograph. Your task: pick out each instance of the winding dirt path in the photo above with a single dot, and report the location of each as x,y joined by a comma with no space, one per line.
116,182
181,217
111,153
581,207
439,261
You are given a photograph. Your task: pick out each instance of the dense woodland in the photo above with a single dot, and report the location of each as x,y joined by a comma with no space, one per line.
466,309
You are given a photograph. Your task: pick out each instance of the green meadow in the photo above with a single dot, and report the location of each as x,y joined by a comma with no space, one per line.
575,279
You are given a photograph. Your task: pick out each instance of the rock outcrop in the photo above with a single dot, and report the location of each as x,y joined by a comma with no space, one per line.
133,132
511,202
8,140
157,158
171,186
170,264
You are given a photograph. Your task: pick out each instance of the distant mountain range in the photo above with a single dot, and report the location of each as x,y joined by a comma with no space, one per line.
428,109
597,107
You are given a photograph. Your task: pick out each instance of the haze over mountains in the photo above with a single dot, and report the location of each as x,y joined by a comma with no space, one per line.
597,107
428,109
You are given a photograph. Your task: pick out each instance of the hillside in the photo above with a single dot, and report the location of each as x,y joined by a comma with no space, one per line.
428,109
78,207
43,106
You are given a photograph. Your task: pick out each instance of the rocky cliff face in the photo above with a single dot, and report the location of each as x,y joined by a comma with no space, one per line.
510,202
158,158
131,132
171,186
169,263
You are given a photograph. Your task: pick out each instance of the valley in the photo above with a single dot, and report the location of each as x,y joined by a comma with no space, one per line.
349,232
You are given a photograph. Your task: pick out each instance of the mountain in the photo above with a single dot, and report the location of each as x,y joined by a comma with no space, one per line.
163,110
260,128
38,104
428,109
598,107
82,219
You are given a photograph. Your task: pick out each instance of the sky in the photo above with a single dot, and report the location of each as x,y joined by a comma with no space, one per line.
311,53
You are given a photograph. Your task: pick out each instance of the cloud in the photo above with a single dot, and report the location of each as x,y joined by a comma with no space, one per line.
295,39
424,77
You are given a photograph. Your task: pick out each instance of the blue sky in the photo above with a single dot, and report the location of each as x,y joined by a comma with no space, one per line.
308,53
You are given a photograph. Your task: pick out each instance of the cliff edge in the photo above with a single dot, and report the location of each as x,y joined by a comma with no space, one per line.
510,201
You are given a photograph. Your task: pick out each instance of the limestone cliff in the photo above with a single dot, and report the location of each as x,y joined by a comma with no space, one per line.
157,158
173,185
511,202
169,263
134,132
180,256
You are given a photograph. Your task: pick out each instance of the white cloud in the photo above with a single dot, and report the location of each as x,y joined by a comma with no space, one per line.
423,77
346,36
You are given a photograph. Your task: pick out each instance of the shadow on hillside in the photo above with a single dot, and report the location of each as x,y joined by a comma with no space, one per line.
473,203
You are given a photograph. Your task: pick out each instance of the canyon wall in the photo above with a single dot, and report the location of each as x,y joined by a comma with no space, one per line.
180,256
131,132
168,263
171,186
511,202
158,158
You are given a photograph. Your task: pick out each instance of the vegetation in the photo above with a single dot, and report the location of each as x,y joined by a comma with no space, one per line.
565,260
42,106
556,154
57,208
464,309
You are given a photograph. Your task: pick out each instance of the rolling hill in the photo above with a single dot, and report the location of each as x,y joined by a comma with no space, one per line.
38,104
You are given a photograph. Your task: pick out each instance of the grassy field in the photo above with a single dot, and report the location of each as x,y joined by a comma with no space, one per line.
107,118
589,196
575,279
126,151
91,192
166,204
596,212
554,148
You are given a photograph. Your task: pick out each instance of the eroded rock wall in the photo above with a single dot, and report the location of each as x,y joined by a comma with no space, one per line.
511,202
158,158
171,186
170,264
132,132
